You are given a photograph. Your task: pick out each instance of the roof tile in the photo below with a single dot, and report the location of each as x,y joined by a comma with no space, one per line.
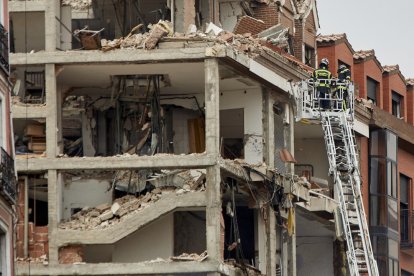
363,54
330,38
390,68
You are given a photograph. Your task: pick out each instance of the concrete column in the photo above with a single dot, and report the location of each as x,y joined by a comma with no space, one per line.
268,129
289,135
291,248
213,214
52,132
213,190
184,15
51,35
53,198
212,96
271,243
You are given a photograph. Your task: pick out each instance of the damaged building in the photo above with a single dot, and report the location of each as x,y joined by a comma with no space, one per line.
158,137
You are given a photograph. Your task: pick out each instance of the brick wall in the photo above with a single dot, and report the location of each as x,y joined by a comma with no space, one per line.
38,241
250,25
410,104
298,40
269,14
71,254
364,69
393,82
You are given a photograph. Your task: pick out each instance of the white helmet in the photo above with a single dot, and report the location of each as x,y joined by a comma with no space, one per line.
342,67
325,61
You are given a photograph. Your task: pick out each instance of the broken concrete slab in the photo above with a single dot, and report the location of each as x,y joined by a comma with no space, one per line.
106,215
131,222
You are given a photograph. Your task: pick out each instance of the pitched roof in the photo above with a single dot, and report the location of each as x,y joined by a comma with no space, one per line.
410,82
391,68
363,54
330,38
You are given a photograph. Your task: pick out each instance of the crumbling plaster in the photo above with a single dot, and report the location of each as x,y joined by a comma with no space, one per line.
251,101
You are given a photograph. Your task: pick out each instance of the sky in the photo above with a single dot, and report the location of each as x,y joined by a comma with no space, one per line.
382,25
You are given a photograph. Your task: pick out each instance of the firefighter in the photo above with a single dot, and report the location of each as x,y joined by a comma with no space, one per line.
322,79
344,77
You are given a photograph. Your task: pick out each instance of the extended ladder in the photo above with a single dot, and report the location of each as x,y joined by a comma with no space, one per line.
344,168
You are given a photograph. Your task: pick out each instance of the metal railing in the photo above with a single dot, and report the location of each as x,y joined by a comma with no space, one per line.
4,48
406,228
338,97
8,185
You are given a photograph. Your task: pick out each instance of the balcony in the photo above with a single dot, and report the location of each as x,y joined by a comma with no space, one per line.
8,187
406,231
4,49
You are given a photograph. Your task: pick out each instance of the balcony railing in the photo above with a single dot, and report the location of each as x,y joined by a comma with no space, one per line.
4,48
8,187
406,228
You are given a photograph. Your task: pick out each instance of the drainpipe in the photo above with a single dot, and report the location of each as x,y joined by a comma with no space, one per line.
26,217
172,8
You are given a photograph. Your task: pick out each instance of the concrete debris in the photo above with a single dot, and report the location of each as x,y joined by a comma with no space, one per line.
190,257
105,215
17,100
246,269
78,5
42,259
213,29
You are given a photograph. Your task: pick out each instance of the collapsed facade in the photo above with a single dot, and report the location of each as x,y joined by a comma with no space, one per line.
154,141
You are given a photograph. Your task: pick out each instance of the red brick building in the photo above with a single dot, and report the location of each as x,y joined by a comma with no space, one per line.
7,181
386,153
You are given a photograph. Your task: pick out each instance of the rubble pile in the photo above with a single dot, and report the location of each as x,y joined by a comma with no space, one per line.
105,214
42,259
78,4
190,257
17,100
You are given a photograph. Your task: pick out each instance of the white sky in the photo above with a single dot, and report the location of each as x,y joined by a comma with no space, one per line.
385,26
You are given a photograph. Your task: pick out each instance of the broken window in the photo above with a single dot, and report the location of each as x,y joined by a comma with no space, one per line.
372,87
309,56
397,100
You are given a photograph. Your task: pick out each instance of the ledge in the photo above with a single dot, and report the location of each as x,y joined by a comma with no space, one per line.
28,112
27,6
114,56
114,163
143,268
132,222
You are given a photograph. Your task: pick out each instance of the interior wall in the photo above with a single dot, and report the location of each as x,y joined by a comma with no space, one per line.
180,129
98,253
155,240
251,101
230,11
312,151
314,256
78,193
189,232
34,38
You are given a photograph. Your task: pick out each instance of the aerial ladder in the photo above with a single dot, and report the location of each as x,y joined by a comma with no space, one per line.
337,124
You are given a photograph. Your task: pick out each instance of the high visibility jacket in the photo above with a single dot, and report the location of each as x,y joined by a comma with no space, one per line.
322,75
